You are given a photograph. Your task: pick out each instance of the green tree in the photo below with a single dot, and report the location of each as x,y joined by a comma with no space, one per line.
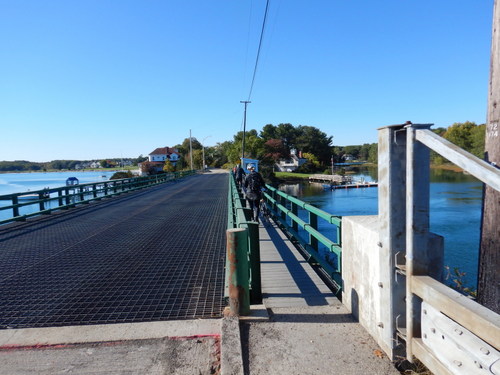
198,159
275,150
168,166
477,140
460,134
312,140
254,147
139,159
373,153
311,158
268,132
220,153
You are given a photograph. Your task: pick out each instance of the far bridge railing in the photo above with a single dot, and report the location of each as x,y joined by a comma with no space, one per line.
27,204
317,233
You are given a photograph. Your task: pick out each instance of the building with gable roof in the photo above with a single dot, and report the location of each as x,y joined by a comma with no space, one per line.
163,153
157,158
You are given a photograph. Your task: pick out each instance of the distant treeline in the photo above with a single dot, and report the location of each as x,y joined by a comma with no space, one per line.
466,135
27,166
366,152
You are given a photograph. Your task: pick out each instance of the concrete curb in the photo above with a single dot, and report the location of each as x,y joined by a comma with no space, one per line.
111,332
231,352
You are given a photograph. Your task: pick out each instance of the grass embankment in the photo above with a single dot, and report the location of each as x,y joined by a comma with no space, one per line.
292,176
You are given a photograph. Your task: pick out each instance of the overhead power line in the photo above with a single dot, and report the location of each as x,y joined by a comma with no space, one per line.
258,51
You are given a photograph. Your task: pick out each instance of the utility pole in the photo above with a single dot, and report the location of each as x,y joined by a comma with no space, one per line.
488,288
191,149
244,128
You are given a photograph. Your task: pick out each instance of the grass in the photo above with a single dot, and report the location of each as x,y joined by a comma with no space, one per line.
292,175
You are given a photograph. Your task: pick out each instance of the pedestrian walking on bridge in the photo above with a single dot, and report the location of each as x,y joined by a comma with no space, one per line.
253,190
240,176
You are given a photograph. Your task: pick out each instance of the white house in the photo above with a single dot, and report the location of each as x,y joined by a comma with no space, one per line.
292,163
158,156
163,153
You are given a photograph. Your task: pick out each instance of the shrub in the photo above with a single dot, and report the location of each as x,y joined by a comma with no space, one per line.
120,175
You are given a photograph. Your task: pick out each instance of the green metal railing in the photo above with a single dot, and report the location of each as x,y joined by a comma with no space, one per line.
239,217
53,199
286,209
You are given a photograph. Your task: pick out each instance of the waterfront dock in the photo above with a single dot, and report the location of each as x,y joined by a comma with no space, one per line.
355,185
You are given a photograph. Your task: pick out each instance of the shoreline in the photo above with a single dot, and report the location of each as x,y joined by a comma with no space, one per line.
304,177
68,170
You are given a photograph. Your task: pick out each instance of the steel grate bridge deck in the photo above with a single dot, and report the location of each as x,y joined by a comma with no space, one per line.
157,254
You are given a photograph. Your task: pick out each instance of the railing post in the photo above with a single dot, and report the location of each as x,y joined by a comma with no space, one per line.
392,245
254,256
295,211
60,196
41,204
15,209
282,201
67,196
237,254
417,228
313,222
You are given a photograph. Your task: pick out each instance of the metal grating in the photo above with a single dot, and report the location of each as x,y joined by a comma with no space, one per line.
157,254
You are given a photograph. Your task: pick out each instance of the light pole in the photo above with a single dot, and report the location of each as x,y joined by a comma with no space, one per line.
203,149
191,149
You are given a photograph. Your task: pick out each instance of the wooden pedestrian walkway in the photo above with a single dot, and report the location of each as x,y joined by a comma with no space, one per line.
287,279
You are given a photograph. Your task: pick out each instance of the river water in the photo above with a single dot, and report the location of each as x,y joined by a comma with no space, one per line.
455,212
22,182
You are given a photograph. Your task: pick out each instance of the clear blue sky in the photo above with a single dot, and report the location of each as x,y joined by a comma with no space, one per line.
99,79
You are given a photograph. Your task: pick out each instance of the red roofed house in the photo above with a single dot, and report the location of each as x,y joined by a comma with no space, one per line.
157,159
163,153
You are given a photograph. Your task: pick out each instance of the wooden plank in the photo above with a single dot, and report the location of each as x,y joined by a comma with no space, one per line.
478,319
428,358
472,164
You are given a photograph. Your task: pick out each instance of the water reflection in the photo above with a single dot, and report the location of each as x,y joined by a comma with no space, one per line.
455,211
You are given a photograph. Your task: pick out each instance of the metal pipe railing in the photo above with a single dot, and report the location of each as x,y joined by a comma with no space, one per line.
286,210
69,196
240,217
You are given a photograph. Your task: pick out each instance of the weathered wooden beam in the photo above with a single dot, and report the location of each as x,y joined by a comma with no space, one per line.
484,171
478,319
428,358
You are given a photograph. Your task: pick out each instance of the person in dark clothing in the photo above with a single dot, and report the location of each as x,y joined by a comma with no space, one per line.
253,186
240,176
